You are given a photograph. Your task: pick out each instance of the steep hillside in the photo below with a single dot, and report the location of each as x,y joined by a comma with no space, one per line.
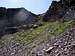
29,43
26,34
62,10
14,19
63,45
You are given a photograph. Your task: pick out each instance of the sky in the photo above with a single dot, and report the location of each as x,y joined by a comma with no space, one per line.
35,6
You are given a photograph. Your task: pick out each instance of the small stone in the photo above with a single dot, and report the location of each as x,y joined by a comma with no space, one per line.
73,44
56,44
49,49
39,54
58,54
65,49
35,26
56,51
12,37
31,29
12,53
48,44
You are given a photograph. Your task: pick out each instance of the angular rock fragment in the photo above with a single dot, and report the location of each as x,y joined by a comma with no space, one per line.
49,49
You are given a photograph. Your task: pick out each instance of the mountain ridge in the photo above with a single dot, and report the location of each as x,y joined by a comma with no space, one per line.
60,9
15,17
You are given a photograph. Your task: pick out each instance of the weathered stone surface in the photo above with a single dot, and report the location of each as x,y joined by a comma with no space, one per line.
62,10
15,17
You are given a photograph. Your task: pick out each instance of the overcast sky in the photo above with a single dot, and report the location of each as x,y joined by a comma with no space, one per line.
35,6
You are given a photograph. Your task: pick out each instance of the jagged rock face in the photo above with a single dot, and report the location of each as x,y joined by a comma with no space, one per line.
55,11
68,2
61,10
20,16
3,20
14,17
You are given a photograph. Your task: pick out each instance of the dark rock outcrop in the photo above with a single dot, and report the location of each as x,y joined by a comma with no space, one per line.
68,2
15,17
62,10
20,16
3,19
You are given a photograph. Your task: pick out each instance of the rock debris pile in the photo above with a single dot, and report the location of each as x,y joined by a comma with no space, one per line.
62,46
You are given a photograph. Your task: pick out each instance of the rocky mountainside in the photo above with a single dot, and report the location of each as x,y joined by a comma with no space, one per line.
31,36
12,19
64,9
40,44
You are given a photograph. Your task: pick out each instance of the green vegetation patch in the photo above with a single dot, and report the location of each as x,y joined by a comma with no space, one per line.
27,37
55,28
